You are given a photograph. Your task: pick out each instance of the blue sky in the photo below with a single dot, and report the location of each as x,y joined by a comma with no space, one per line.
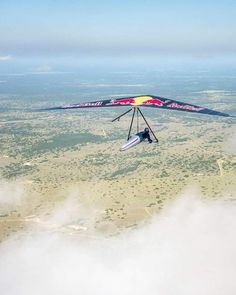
117,28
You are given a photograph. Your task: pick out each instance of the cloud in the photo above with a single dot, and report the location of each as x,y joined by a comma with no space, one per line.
5,57
70,216
188,249
11,195
230,145
44,69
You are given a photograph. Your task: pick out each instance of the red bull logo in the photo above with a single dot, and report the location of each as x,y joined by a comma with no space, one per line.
137,101
83,104
186,107
154,101
122,101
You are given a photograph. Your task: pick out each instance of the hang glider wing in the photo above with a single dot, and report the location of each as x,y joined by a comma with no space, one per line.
145,101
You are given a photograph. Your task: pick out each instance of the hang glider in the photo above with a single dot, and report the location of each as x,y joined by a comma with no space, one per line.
144,101
135,102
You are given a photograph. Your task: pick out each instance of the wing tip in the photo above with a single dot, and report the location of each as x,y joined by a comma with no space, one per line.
49,109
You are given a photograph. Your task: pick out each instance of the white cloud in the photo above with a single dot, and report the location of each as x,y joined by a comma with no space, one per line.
44,69
187,249
11,194
5,57
230,145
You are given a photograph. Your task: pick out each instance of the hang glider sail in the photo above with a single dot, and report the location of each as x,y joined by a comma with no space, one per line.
134,103
144,101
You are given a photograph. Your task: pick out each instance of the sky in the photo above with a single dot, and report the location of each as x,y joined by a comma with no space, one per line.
117,28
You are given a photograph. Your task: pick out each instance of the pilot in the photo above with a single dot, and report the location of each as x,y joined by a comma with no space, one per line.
145,134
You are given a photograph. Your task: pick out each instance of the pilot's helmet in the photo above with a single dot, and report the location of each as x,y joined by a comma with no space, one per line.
146,129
